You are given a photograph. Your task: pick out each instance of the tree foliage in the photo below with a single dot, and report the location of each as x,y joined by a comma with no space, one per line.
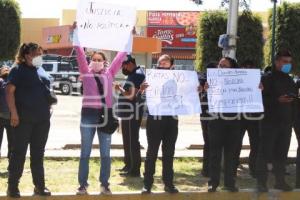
10,29
213,24
250,45
287,32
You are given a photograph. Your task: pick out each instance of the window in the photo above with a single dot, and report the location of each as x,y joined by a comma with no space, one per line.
64,67
48,67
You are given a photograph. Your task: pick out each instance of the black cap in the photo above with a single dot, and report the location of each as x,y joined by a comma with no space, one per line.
129,59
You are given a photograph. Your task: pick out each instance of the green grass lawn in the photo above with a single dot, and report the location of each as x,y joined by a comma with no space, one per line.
61,176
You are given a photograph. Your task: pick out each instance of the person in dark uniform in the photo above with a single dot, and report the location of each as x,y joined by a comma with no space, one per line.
131,113
27,98
160,129
297,132
204,119
4,111
275,129
224,133
250,123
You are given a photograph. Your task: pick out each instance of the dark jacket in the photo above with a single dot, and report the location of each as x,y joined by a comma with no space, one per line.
275,85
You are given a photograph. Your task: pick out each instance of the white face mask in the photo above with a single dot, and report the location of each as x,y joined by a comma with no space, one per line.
37,61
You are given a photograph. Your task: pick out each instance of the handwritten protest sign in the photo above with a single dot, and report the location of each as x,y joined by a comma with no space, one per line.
172,92
102,25
234,91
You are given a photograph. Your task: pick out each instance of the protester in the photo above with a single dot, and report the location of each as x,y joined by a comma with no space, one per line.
297,132
275,129
160,129
224,133
250,123
131,113
204,119
95,75
27,98
4,111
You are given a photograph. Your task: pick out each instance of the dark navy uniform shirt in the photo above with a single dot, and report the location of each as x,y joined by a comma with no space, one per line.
31,93
135,79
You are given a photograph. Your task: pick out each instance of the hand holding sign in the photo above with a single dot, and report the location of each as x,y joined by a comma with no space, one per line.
102,25
234,91
172,92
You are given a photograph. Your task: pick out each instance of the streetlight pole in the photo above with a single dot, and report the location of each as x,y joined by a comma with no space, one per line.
273,31
232,26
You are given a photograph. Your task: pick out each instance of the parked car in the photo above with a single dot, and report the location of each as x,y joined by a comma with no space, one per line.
66,77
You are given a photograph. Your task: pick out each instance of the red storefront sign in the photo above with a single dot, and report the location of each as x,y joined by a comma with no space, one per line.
172,18
183,37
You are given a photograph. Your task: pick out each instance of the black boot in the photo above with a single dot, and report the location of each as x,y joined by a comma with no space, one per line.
13,191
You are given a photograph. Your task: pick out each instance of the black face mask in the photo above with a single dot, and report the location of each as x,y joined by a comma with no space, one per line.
125,72
165,68
4,76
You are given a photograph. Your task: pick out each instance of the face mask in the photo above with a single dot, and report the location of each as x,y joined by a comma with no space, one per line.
37,61
165,68
96,66
125,71
4,76
286,68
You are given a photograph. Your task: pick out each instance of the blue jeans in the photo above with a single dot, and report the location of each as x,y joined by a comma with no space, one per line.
88,127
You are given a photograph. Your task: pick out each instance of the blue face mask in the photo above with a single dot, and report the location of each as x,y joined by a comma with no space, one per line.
286,68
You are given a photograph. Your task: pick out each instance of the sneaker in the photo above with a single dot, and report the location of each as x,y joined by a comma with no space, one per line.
171,189
105,190
42,191
146,190
283,186
211,189
82,190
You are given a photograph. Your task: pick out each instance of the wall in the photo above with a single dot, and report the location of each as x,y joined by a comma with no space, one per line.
31,28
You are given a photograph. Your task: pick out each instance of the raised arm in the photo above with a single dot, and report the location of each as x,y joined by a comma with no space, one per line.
81,59
117,63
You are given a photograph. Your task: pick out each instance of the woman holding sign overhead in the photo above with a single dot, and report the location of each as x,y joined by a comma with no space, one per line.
97,80
224,132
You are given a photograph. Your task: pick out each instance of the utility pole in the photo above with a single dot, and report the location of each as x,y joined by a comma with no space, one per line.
232,26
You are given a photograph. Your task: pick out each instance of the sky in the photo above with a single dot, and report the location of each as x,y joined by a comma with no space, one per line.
53,8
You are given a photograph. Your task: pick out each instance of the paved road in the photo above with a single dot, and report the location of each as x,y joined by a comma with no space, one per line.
65,130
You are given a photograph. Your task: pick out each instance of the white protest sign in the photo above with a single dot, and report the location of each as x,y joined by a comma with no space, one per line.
234,91
172,92
103,25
